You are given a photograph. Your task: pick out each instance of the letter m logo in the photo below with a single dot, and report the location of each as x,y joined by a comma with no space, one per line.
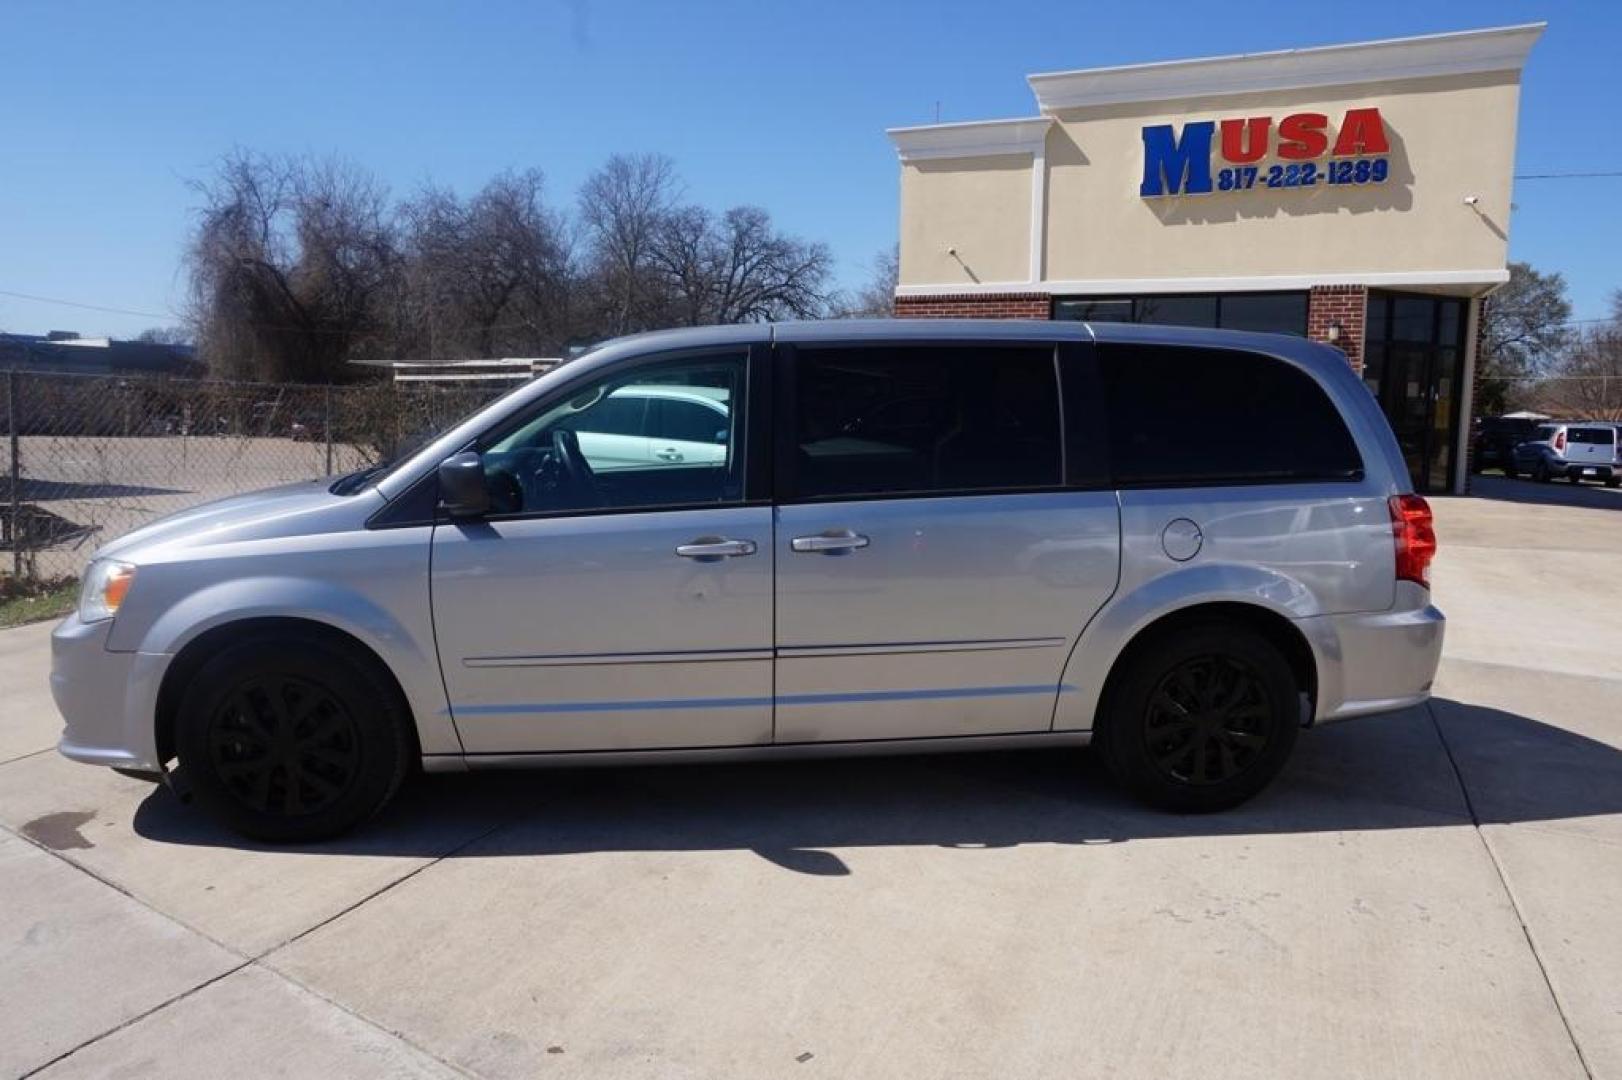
1177,167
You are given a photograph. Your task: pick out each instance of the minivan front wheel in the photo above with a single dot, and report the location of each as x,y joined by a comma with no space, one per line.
1201,719
288,740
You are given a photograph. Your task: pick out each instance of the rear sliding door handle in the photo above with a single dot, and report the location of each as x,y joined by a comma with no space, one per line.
830,543
713,548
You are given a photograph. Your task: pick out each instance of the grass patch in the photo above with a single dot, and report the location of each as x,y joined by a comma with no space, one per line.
30,601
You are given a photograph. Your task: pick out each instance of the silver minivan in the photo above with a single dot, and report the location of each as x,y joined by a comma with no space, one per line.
1181,545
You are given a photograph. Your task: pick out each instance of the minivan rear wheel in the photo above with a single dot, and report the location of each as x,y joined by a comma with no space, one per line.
287,740
1201,718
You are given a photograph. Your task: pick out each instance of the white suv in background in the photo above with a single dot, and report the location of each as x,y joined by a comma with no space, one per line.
1576,451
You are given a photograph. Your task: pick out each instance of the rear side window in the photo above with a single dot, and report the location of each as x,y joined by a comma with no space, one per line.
1592,435
924,419
1181,415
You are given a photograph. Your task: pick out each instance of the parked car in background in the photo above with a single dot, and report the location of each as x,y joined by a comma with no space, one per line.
1592,454
1495,439
1181,545
1575,451
645,426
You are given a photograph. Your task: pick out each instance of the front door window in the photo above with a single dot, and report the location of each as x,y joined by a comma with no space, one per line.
665,435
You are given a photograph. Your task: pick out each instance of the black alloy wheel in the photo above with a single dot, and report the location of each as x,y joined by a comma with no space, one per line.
1208,720
293,737
1200,717
283,745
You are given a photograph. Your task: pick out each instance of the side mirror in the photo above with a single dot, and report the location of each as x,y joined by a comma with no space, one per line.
462,491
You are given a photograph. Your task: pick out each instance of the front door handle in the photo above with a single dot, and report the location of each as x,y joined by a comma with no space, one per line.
830,543
669,453
715,548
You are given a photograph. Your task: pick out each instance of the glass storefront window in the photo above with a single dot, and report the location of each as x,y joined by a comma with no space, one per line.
1270,313
1177,310
1267,313
1413,319
1093,310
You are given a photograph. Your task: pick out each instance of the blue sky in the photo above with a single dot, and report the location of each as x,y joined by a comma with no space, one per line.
107,110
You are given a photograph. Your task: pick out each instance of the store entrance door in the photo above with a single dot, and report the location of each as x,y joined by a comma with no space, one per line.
1411,358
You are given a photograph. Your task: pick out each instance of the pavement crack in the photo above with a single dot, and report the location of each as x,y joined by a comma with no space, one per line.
385,887
137,1018
25,757
1509,892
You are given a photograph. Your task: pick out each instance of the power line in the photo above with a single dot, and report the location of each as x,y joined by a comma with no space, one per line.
1566,175
87,307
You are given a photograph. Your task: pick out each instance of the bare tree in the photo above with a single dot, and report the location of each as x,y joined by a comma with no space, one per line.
165,335
623,206
291,263
301,268
876,299
485,275
1525,326
1587,381
736,268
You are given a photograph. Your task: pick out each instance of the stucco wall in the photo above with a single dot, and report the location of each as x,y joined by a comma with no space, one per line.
980,206
1451,136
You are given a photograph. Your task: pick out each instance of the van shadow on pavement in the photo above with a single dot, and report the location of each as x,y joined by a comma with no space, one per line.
1380,773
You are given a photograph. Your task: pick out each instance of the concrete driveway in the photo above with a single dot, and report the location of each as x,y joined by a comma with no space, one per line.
1434,893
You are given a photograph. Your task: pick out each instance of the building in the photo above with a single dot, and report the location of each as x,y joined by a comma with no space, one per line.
65,352
1357,194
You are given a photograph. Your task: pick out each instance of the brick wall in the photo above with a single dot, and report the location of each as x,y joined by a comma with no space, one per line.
1346,305
975,306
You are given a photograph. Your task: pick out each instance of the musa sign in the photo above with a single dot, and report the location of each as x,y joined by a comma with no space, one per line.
1174,165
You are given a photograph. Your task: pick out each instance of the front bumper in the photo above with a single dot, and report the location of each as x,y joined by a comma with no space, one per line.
1376,662
108,699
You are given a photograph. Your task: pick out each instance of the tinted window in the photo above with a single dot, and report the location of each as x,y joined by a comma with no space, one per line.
1093,310
589,451
925,419
1266,313
1178,310
616,414
1187,415
686,421
1595,435
1270,313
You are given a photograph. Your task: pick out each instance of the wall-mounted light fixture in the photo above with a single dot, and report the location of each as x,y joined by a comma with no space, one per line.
1334,332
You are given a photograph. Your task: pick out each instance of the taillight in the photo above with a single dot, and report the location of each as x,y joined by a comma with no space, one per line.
1560,441
1415,533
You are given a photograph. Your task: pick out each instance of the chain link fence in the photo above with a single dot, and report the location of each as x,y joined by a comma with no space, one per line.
90,457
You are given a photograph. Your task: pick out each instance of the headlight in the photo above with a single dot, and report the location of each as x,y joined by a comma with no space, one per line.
106,583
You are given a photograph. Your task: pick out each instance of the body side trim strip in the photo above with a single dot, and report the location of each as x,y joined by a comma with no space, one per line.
661,704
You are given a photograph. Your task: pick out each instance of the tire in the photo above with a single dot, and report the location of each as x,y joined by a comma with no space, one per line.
1510,472
327,727
1142,735
1615,481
